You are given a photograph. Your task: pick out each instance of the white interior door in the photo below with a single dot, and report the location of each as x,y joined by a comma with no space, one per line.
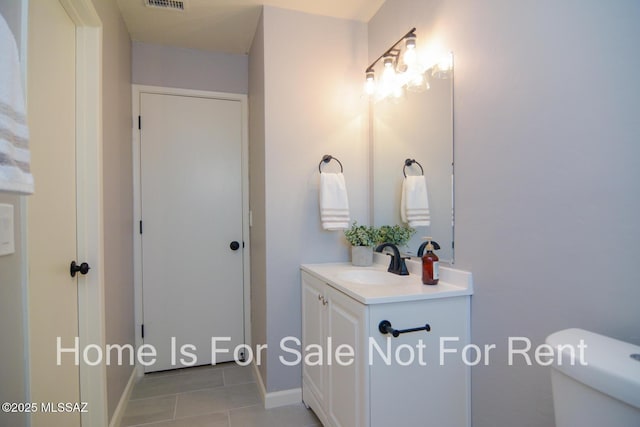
53,294
191,207
64,215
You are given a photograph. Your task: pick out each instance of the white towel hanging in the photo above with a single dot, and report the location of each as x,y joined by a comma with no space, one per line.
414,203
334,204
15,159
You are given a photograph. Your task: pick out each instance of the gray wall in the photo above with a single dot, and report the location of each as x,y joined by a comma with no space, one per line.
157,65
547,173
12,326
118,192
312,106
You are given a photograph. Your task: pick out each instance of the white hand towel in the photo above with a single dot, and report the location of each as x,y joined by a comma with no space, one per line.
414,204
15,159
334,204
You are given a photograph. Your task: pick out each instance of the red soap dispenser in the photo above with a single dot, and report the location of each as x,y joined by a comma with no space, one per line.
430,265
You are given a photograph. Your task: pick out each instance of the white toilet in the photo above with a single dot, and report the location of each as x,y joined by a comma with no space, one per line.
603,393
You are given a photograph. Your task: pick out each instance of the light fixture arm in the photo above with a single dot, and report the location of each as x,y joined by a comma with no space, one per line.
390,51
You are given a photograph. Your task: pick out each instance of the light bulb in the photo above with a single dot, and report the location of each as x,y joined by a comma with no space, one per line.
388,80
389,73
370,84
409,56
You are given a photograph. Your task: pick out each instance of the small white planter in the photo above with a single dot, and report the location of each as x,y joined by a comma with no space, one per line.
361,256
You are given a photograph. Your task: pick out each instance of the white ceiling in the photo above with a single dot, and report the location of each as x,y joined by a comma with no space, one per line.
225,25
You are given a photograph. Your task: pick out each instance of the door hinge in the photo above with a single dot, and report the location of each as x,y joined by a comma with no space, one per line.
140,227
142,330
139,122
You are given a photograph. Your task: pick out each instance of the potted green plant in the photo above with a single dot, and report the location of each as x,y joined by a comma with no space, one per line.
362,238
399,235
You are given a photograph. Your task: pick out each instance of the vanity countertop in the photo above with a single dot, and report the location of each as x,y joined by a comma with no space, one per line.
394,288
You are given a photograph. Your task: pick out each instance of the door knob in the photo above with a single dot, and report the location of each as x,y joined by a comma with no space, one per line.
234,245
82,268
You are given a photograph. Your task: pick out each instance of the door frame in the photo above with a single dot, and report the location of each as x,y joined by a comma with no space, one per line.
89,185
137,91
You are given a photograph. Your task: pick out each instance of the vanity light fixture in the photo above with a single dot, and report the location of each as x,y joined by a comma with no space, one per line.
404,69
401,69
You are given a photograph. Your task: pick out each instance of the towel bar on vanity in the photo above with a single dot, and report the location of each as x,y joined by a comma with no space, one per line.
326,159
408,163
385,328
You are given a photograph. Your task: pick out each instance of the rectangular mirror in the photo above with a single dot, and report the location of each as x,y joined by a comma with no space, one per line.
416,126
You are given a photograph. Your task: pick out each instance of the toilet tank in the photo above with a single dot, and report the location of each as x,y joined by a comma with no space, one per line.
600,389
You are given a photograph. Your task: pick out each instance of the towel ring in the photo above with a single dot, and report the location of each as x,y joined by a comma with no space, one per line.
408,163
326,159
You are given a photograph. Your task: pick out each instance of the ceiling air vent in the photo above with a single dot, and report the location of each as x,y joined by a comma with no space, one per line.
177,5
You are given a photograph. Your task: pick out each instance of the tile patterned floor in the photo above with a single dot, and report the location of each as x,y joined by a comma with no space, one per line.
224,395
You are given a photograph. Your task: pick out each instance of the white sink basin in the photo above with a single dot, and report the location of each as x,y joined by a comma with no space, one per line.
368,277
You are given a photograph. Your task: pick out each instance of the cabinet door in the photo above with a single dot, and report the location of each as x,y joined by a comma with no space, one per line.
347,382
313,337
412,388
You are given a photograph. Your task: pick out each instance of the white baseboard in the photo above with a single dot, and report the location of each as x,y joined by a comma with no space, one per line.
283,398
116,419
277,398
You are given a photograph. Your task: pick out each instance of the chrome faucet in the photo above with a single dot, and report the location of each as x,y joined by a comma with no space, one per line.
397,264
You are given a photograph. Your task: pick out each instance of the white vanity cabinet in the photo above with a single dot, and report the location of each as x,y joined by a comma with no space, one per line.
424,392
390,381
333,323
